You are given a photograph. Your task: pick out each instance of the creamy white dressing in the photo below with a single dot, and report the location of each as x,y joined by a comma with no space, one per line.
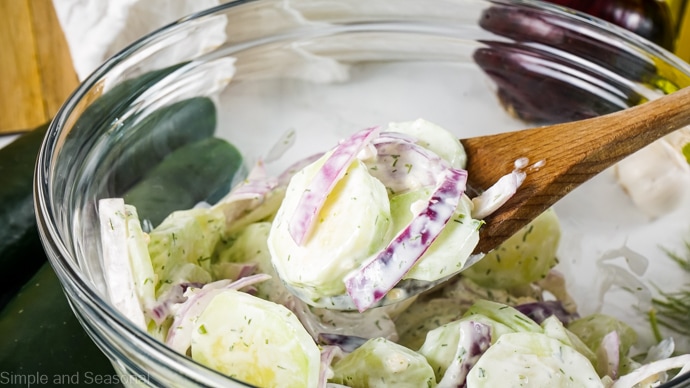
532,360
499,193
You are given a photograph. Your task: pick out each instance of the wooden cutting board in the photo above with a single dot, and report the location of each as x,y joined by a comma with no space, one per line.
35,65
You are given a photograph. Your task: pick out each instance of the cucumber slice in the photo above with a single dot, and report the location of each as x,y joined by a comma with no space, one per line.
117,266
441,344
555,329
255,341
534,360
524,258
420,318
434,138
503,314
456,340
182,246
353,224
249,246
140,260
593,328
382,363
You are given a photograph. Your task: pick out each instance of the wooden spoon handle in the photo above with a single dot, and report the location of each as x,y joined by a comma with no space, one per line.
570,154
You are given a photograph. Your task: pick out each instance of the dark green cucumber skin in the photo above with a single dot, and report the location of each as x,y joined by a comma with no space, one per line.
147,142
102,115
107,109
200,171
21,254
39,332
42,337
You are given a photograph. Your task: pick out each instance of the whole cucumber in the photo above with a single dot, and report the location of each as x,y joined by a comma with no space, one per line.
200,171
21,254
147,142
103,114
41,336
42,340
40,332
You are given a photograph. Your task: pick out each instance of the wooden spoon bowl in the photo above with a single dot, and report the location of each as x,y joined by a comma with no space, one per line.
562,157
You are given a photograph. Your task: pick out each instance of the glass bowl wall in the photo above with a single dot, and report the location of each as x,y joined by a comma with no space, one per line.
323,69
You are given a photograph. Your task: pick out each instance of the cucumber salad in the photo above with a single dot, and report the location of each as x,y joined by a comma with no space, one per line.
312,278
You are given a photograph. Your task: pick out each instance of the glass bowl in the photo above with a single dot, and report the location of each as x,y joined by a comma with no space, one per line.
320,70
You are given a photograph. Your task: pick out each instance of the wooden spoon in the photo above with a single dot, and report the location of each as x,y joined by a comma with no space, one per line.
571,154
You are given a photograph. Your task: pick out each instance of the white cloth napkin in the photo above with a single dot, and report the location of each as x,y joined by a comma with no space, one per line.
97,29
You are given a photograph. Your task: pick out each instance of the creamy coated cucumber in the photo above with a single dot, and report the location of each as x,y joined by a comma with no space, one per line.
125,287
416,321
249,246
441,344
593,328
555,329
256,341
434,138
534,360
524,258
182,246
332,241
140,259
382,363
353,224
446,255
504,314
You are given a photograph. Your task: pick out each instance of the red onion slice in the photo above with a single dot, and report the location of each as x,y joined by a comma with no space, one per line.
371,282
653,369
475,338
328,354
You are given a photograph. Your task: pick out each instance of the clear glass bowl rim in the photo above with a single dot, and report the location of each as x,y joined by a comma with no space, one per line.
77,286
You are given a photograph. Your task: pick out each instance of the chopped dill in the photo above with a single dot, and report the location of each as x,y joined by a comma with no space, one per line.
672,309
683,261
